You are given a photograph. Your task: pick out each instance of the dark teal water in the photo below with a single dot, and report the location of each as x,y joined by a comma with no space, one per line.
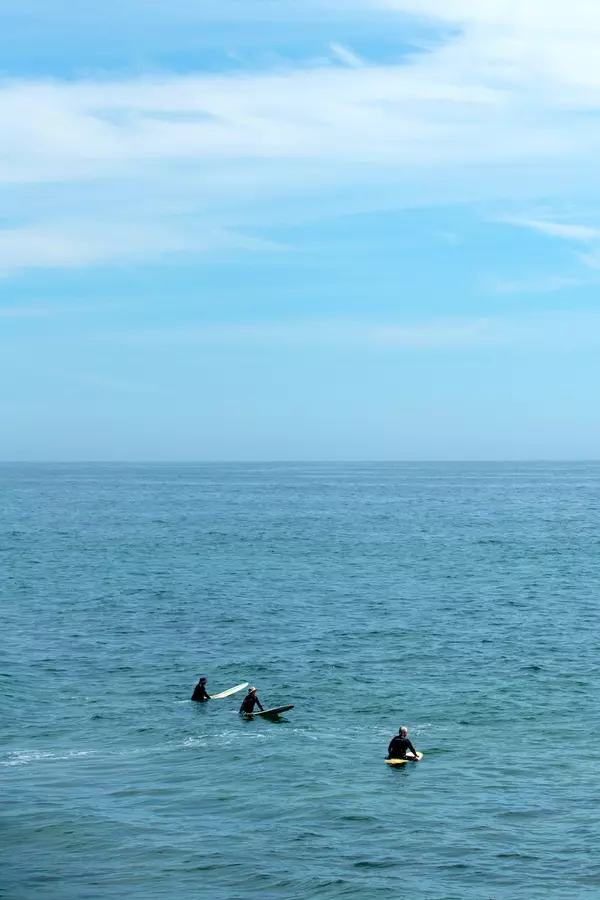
462,601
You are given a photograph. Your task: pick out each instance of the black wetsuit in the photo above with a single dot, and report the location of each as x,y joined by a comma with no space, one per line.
399,746
249,702
200,694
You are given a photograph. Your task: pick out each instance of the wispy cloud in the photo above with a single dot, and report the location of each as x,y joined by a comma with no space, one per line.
564,231
76,244
591,259
535,283
347,56
26,312
571,233
117,385
558,329
448,237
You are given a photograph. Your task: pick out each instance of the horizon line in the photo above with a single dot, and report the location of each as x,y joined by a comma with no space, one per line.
297,462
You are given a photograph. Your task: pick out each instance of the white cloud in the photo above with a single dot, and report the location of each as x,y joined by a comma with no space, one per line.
501,107
390,115
457,103
536,19
547,48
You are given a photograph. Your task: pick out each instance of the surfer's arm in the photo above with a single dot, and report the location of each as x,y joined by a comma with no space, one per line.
412,749
259,704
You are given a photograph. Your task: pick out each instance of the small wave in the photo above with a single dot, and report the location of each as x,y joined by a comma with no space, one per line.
23,757
194,742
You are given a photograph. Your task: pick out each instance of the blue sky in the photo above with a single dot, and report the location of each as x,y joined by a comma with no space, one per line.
299,229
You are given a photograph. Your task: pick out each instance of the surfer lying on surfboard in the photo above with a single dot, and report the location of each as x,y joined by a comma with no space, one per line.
250,701
399,745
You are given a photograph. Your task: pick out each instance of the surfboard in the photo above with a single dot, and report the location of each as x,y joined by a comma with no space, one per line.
230,691
276,711
402,762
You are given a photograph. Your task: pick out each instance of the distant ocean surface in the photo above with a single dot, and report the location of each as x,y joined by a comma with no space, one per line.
460,600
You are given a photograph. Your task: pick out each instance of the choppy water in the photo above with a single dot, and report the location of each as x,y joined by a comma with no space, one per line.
462,601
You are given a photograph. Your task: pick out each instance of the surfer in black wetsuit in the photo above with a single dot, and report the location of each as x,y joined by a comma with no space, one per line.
399,744
250,701
200,694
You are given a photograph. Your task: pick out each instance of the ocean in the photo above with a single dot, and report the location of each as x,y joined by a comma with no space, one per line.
459,600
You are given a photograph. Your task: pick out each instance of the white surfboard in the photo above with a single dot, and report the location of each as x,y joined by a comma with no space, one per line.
230,691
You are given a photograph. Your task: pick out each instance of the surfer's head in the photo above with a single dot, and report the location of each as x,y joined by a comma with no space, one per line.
252,690
203,680
403,730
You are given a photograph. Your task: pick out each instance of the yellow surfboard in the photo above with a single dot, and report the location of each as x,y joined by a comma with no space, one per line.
402,762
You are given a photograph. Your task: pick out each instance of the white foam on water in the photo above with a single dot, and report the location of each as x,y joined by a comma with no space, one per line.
23,757
194,742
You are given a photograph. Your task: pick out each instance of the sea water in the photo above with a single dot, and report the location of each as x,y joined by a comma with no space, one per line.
459,600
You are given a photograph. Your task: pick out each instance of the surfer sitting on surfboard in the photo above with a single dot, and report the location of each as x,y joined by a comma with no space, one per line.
250,701
399,744
200,694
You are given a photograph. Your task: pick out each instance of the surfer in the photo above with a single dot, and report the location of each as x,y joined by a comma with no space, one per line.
200,694
250,701
399,744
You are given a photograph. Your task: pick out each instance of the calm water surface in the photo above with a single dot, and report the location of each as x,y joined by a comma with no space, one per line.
462,601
